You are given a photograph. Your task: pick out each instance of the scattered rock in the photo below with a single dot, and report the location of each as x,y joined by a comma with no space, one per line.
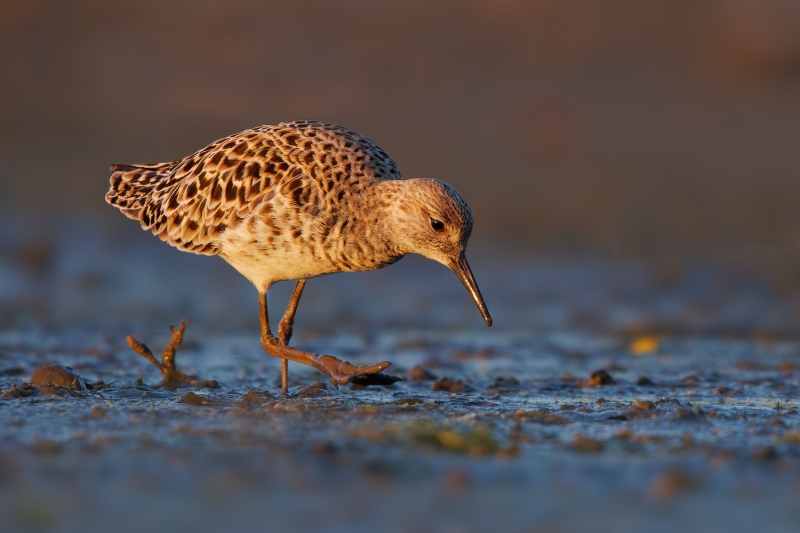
420,374
583,443
476,441
23,390
687,414
542,417
40,445
324,447
644,405
600,378
568,377
192,398
317,389
690,379
411,400
767,453
502,385
254,398
644,381
57,375
749,365
456,480
672,483
668,401
51,379
722,390
466,355
449,385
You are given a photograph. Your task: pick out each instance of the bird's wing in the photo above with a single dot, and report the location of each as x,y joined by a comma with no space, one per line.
298,167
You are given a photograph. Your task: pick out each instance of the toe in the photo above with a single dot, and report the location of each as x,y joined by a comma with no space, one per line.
342,372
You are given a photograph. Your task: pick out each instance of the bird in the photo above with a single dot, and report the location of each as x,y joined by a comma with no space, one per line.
295,201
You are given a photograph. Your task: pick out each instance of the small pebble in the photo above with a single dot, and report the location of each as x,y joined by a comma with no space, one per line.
671,483
57,375
449,385
420,374
586,444
601,377
192,398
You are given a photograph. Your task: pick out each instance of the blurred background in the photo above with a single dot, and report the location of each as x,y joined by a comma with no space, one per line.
631,165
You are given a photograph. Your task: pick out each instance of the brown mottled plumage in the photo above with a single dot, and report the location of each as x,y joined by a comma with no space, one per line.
296,201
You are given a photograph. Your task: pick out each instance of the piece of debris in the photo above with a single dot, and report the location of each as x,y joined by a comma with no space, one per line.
474,441
52,374
192,398
170,376
23,390
449,385
254,398
315,390
671,483
502,385
644,345
420,374
52,379
409,400
767,453
600,378
583,443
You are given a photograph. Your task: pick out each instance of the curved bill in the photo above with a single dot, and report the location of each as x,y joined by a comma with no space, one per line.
464,273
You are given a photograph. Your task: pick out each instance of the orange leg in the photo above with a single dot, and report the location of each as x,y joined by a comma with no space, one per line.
340,372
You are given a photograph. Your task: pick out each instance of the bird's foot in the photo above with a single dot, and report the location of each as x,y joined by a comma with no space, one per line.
342,372
171,377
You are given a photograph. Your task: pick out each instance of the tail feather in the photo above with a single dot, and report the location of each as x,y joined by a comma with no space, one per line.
132,186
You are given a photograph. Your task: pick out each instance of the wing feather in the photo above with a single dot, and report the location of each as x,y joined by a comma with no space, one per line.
284,171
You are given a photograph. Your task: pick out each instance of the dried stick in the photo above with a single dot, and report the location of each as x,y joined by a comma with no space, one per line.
170,375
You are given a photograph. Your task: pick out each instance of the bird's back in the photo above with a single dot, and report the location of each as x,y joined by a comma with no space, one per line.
295,176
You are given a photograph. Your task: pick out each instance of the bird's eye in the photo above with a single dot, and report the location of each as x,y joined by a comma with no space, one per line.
437,225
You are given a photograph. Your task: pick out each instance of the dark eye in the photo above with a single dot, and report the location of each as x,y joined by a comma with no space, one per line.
437,225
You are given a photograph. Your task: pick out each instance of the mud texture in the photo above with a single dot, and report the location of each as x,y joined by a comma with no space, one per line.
618,395
520,426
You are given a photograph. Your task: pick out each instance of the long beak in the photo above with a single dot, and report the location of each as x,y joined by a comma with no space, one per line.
464,273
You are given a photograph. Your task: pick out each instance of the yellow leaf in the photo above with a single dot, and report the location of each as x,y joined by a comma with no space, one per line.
644,345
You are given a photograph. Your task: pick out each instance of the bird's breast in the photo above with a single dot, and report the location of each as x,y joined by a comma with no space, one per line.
265,256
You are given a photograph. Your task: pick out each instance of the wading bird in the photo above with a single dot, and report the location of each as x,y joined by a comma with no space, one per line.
296,201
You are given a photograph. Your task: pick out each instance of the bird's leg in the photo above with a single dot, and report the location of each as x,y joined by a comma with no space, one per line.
285,330
340,372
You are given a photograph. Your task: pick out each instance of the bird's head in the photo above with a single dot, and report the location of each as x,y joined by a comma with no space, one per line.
432,219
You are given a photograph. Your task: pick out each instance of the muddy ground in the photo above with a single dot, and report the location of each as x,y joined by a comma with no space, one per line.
612,395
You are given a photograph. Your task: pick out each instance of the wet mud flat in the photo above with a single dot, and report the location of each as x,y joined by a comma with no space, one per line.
522,432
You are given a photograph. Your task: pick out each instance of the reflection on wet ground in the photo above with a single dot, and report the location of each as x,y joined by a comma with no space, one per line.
608,397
